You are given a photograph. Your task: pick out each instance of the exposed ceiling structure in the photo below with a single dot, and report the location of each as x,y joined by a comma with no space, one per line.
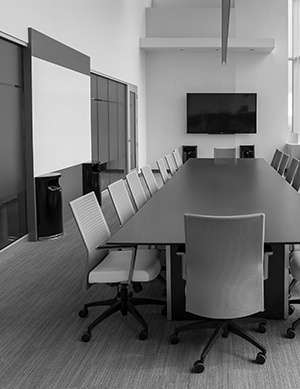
225,4
225,28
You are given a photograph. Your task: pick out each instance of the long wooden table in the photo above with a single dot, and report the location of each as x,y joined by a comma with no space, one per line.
209,187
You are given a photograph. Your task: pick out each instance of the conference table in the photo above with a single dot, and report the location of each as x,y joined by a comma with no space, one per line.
219,187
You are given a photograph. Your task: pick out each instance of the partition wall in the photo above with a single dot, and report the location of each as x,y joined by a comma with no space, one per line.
12,152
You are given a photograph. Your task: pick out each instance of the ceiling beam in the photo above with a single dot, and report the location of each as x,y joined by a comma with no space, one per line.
225,29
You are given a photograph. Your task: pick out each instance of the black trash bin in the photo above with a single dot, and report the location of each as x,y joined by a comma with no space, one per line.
91,179
49,206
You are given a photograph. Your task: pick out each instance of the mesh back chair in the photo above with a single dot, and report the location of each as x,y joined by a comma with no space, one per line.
276,159
116,268
283,164
171,164
149,179
163,170
136,189
296,180
225,153
177,158
121,201
224,276
292,170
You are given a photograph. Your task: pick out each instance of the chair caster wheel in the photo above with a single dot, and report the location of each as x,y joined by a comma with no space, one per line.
199,367
291,309
143,335
86,337
225,334
164,311
174,339
290,333
83,313
261,358
262,328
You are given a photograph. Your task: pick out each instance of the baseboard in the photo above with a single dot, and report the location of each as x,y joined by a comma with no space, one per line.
9,250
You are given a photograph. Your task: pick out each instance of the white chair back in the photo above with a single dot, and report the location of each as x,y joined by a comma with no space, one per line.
136,189
177,158
283,164
292,170
225,152
93,229
224,265
121,201
277,159
170,164
149,179
163,170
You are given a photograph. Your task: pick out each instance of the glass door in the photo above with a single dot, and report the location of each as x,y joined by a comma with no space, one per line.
132,126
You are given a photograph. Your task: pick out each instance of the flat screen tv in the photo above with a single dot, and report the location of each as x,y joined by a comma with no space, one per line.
221,113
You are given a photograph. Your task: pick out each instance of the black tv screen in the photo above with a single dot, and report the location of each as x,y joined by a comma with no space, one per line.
221,113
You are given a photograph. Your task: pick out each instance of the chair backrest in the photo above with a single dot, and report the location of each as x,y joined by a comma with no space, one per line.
292,170
277,159
296,180
121,201
163,170
177,158
149,179
170,164
93,229
136,189
224,264
283,164
225,152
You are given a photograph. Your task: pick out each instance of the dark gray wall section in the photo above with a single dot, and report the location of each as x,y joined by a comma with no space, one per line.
50,50
71,184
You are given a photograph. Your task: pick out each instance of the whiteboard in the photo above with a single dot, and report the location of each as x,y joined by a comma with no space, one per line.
61,117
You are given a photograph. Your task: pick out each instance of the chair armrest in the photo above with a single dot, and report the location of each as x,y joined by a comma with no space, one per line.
133,256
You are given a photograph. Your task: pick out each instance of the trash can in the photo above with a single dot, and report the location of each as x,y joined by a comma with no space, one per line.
188,152
91,179
49,206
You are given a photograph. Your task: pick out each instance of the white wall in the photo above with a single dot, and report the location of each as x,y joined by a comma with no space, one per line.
105,30
170,75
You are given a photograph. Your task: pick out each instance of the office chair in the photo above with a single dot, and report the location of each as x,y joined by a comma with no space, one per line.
149,179
136,189
225,153
276,159
283,164
177,158
292,170
294,261
171,164
124,209
296,180
224,276
163,170
121,201
117,268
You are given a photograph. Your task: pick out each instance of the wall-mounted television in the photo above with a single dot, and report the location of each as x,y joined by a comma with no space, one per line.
221,113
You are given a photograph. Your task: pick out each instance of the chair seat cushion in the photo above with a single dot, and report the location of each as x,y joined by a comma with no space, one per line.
295,264
115,267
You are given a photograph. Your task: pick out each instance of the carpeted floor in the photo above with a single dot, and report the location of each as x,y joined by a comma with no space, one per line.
41,345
